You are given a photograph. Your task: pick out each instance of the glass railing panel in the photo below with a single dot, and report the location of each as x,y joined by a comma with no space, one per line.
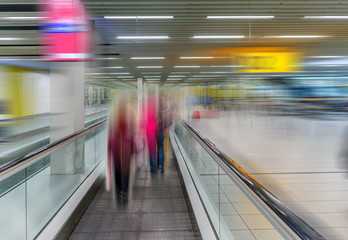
230,211
101,144
46,184
13,212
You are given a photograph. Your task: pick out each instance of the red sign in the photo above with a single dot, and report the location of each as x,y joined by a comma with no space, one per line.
65,31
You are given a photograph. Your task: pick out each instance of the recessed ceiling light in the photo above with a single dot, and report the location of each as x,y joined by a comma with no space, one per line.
326,56
118,67
138,17
296,36
142,37
325,17
149,66
11,39
218,66
196,57
214,72
187,66
143,58
20,18
117,73
218,36
240,17
107,58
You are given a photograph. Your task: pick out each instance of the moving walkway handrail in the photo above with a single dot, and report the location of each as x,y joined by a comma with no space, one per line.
10,167
300,227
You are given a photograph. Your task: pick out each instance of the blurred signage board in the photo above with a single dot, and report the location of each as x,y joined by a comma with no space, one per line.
65,31
265,60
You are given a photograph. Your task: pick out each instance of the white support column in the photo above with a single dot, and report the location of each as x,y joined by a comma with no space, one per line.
67,106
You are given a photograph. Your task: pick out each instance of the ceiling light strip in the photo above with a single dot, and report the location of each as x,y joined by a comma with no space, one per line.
147,58
218,37
142,37
138,17
240,17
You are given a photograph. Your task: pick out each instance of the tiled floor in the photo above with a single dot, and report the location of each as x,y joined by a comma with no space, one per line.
156,210
295,158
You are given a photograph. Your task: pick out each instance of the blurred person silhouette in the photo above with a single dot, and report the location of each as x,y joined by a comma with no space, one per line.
149,127
121,145
164,122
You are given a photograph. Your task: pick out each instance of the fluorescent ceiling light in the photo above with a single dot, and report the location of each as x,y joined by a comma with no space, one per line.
149,66
118,67
173,79
326,56
141,58
218,66
107,58
207,76
179,72
296,36
20,18
153,79
118,73
196,57
175,76
240,17
187,66
325,17
138,17
219,37
125,77
142,37
214,72
11,39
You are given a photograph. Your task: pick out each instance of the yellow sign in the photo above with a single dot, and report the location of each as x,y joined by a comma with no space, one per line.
261,62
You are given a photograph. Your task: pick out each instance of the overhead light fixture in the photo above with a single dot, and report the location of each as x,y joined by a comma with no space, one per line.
220,66
138,17
326,56
125,77
118,67
11,39
142,37
187,66
196,57
107,58
325,17
153,79
173,79
214,72
207,76
219,37
118,73
240,17
296,36
149,66
145,58
175,76
20,18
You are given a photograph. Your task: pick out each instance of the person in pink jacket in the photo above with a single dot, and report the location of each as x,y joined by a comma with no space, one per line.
149,126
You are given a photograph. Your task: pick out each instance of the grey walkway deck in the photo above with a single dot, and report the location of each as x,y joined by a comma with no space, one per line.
156,210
